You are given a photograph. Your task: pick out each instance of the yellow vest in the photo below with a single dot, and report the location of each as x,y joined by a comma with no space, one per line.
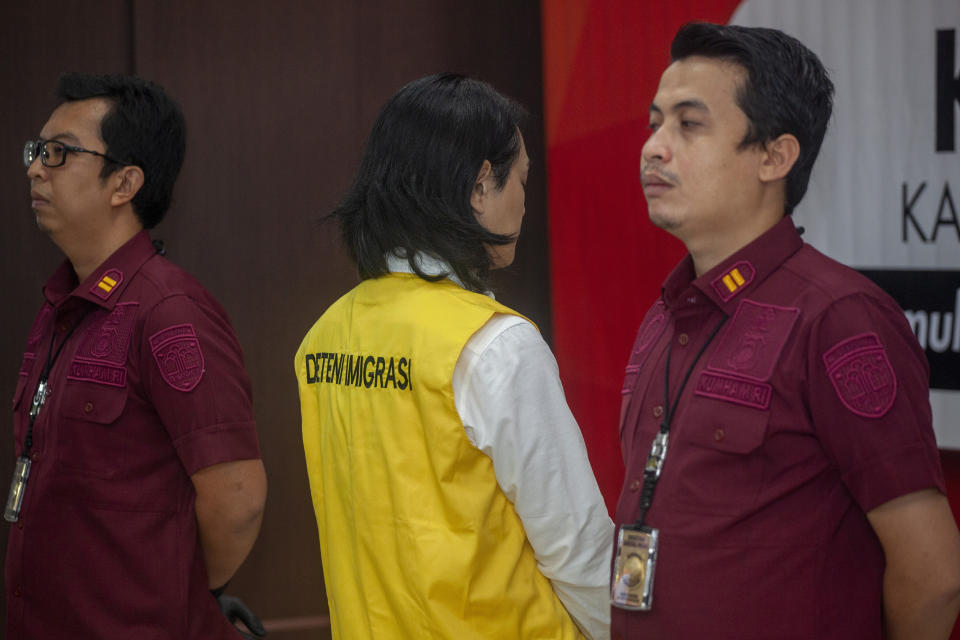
418,540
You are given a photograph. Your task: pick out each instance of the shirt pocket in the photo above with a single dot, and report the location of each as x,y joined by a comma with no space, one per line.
86,440
720,450
104,460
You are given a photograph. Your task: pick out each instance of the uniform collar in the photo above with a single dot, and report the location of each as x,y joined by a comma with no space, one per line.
106,283
742,272
429,265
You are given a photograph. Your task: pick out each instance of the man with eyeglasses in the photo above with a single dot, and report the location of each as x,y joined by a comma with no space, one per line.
138,487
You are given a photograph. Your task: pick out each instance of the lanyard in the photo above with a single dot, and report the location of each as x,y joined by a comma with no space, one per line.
43,390
658,450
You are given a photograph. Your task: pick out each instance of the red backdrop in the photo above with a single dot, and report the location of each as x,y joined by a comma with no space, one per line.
602,63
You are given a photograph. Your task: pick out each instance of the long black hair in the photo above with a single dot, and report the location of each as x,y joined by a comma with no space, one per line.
411,194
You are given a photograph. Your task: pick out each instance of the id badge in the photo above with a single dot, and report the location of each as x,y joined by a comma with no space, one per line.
18,487
636,559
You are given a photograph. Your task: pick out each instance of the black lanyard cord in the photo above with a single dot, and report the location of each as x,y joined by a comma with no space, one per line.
670,410
651,472
40,394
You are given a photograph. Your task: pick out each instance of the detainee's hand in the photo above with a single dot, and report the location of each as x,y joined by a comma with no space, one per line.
236,609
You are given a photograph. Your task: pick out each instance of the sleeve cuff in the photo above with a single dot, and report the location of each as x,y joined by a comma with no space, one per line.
901,472
217,444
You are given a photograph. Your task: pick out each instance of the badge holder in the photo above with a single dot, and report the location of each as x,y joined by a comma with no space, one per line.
636,561
21,471
18,487
636,555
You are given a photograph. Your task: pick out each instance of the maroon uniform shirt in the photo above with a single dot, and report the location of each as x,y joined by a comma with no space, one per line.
148,389
809,408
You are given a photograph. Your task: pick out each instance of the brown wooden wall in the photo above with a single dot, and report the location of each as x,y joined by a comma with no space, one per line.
278,97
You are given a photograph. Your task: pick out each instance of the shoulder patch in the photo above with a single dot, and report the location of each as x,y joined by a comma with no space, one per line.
177,352
41,322
650,331
107,283
26,365
861,375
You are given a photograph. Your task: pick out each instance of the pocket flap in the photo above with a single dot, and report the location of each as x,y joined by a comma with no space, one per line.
725,427
92,402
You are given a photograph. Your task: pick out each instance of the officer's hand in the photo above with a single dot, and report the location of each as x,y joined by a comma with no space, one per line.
236,609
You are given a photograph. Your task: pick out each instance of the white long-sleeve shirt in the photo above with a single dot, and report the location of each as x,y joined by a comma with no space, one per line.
507,390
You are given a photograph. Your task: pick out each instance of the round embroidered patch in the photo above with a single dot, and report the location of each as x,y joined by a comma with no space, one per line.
861,375
177,352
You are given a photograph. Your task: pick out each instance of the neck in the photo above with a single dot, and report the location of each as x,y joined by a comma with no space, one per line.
721,245
88,251
706,258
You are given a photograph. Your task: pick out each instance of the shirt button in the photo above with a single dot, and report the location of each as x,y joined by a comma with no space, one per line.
19,523
635,485
35,456
658,411
87,408
683,339
17,591
62,327
719,435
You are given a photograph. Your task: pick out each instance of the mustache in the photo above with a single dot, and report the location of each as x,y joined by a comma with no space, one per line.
657,169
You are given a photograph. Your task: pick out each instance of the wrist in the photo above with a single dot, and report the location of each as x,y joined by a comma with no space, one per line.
216,593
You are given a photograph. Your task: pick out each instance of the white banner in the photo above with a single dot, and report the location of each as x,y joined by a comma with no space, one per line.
885,193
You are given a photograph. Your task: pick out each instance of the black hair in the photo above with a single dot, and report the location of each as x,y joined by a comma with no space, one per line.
144,127
411,194
787,89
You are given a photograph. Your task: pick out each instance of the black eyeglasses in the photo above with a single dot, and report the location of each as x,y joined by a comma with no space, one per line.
53,153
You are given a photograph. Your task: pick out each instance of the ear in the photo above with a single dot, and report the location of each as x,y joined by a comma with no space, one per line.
482,188
127,182
778,158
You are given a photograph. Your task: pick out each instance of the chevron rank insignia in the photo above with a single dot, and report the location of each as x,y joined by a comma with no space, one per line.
733,280
107,283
